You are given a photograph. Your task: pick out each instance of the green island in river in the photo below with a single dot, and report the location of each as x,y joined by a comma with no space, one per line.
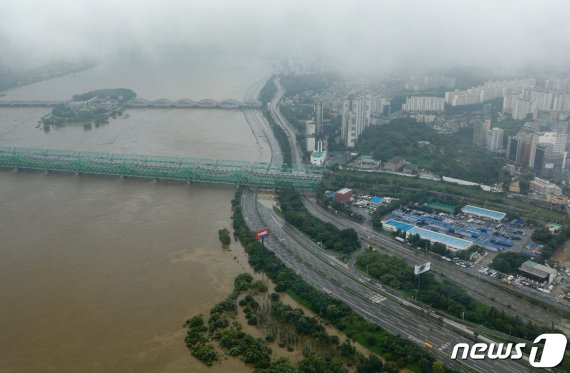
90,107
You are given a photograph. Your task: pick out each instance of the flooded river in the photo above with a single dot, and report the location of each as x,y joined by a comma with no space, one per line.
98,274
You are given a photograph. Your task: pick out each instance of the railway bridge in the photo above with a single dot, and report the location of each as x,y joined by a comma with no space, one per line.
255,174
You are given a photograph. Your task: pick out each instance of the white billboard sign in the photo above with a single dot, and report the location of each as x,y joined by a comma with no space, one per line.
421,268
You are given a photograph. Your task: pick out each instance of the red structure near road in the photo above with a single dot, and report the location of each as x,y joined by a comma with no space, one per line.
262,233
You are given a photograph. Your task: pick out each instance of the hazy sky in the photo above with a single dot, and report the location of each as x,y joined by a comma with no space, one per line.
363,35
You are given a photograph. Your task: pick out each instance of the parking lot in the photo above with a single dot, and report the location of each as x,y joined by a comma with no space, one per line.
492,235
368,202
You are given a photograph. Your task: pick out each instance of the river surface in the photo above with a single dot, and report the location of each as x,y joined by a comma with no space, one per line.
174,77
98,274
205,133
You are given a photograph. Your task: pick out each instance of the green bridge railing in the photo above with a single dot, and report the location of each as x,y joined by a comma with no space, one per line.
257,174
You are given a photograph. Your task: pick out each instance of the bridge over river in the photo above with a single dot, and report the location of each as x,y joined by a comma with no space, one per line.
161,103
257,174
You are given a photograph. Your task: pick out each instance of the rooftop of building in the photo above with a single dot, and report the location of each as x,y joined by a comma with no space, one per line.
450,241
317,154
497,215
344,191
396,160
536,268
404,227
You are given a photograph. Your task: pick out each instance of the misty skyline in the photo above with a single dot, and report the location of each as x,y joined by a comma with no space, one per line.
358,36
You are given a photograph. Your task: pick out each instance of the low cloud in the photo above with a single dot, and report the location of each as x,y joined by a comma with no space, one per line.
363,36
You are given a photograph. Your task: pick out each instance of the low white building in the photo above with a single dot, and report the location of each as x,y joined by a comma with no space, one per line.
319,155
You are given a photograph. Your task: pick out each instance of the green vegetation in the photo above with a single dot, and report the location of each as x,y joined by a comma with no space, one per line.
228,334
116,94
448,155
331,238
282,322
511,127
397,101
96,106
268,92
551,242
398,351
508,262
297,115
346,211
445,296
295,84
281,137
449,207
224,235
197,341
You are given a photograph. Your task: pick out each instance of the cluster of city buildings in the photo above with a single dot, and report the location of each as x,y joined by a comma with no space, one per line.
543,152
423,104
487,91
538,102
520,97
357,112
487,137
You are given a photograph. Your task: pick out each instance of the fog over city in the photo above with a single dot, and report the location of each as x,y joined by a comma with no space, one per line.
284,186
366,36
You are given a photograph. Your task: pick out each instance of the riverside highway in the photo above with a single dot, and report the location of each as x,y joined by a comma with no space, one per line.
474,285
259,125
375,303
477,287
325,275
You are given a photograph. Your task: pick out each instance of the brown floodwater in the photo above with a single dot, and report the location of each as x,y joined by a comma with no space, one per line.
205,133
98,274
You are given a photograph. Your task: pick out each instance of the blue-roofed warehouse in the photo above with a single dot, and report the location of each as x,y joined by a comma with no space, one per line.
452,243
395,225
483,213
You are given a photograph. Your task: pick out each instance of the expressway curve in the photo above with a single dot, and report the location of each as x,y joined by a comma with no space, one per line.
393,312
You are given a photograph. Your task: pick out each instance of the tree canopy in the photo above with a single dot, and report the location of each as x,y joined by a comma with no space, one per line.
448,155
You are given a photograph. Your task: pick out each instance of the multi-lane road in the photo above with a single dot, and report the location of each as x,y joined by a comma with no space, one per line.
296,154
368,298
377,304
259,126
475,285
